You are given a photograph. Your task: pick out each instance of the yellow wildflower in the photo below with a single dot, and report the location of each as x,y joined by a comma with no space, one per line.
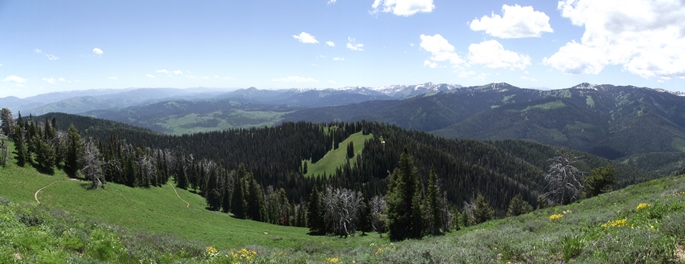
642,206
616,223
555,217
332,260
211,251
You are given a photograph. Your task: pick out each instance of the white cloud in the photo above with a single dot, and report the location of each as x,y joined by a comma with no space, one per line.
338,59
178,72
150,75
49,56
352,44
331,2
61,79
330,43
402,7
645,37
114,78
97,51
50,80
16,80
516,22
163,71
528,78
295,79
492,54
305,37
440,50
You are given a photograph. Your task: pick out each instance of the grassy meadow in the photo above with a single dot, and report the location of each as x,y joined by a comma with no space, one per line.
337,157
643,223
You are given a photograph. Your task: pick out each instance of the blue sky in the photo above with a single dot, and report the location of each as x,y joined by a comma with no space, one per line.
48,46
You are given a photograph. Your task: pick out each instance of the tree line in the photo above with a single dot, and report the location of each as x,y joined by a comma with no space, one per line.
257,173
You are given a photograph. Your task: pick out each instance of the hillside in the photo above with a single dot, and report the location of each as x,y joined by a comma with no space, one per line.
641,223
274,155
616,122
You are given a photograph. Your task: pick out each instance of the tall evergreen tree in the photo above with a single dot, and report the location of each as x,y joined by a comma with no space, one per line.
255,200
482,211
315,220
238,203
20,145
434,203
401,198
74,146
45,157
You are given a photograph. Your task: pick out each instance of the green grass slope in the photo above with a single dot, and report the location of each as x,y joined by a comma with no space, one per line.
337,157
643,223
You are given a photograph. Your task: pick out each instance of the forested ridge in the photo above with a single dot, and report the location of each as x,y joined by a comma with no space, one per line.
257,173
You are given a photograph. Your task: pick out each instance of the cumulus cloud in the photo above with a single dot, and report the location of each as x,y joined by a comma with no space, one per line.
50,80
16,80
440,50
97,51
178,72
305,37
331,2
353,45
61,79
644,37
113,78
49,56
295,79
150,75
492,54
329,43
163,71
338,59
402,7
516,22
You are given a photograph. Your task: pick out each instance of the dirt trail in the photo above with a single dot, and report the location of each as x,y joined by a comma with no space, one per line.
35,195
179,197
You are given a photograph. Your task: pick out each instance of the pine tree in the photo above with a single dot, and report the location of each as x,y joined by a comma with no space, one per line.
238,203
434,203
45,157
400,199
315,220
74,146
518,206
600,181
350,150
255,199
417,211
482,211
20,145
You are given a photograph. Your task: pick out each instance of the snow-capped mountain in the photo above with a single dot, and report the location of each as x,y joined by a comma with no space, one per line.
400,91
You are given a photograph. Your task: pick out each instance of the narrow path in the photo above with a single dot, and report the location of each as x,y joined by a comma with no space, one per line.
179,197
35,195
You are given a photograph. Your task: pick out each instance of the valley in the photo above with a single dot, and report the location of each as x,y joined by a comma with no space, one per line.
250,168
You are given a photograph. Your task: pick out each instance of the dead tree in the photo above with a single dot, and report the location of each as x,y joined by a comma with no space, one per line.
563,179
379,214
92,163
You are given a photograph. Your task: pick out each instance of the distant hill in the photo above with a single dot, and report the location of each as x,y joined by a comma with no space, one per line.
615,122
275,156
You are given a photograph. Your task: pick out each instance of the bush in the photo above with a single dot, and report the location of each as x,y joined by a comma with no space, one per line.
674,225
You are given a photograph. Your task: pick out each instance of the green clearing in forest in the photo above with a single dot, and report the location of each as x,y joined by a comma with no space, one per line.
337,157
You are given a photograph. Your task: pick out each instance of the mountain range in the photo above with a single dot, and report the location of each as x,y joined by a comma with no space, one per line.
635,125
